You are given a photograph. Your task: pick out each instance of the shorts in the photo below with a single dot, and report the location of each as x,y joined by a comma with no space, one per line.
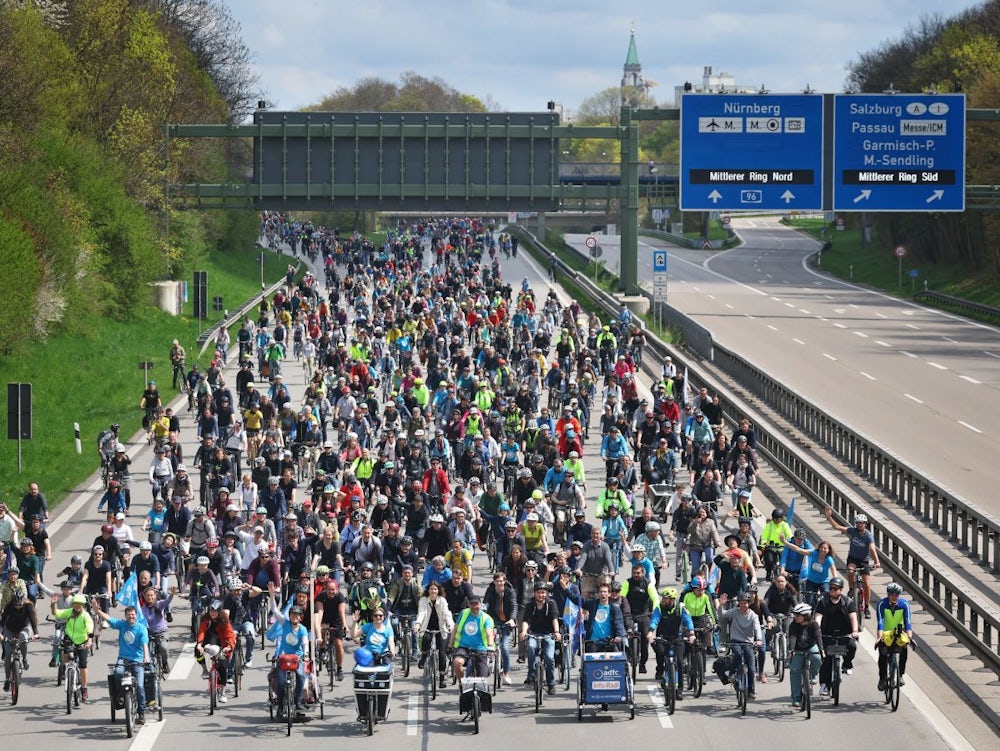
477,661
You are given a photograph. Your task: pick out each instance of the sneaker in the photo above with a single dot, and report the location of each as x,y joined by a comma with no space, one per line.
25,664
796,705
421,662
679,696
659,675
52,662
151,704
506,679
762,678
824,690
848,671
169,617
551,690
83,694
300,707
529,681
442,683
140,719
881,684
902,681
248,663
340,674
222,697
642,668
6,685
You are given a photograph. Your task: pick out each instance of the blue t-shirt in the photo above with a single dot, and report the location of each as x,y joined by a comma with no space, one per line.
156,519
860,545
376,639
819,571
289,639
602,626
131,639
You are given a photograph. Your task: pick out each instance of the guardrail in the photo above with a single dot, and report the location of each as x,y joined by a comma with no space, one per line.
978,628
205,337
958,303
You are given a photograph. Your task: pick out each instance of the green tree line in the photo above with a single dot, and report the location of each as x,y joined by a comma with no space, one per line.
956,54
85,223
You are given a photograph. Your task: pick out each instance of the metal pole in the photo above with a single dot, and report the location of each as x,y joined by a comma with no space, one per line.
900,272
20,466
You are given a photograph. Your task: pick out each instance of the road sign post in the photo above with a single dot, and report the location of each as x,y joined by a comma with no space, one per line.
19,416
899,152
900,252
749,151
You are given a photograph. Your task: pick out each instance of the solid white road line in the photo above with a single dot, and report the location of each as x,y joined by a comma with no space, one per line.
992,354
147,735
185,661
412,715
656,696
912,326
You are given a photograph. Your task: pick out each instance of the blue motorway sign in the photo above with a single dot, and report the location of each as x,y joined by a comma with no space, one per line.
659,261
899,152
751,151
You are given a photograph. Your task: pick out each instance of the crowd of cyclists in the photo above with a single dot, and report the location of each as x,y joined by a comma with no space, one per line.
422,490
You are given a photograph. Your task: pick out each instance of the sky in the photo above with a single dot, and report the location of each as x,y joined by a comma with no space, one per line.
523,53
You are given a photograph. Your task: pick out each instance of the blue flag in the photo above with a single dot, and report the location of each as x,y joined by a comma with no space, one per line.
791,512
128,596
572,619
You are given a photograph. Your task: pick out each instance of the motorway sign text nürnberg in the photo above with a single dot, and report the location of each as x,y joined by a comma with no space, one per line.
751,151
899,152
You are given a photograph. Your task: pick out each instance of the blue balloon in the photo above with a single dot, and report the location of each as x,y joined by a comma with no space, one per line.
363,657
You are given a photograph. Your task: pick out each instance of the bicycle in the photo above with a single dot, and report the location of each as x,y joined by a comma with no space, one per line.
539,675
893,677
779,647
405,640
238,663
95,642
491,549
696,661
17,668
287,664
741,681
857,574
214,689
670,681
633,650
69,668
805,689
564,658
837,648
431,663
126,698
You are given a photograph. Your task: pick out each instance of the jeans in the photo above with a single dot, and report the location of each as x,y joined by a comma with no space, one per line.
548,647
743,653
504,643
249,631
795,666
700,556
138,671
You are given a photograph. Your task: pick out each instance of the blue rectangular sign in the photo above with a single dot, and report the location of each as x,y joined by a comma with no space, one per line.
899,152
659,260
751,151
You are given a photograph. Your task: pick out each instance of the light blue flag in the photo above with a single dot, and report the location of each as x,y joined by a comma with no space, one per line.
572,619
128,596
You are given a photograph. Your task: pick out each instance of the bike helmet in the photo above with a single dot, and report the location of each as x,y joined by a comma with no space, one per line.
107,529
510,524
745,520
532,517
652,526
119,448
113,484
802,609
295,610
181,468
836,582
202,560
234,583
200,511
697,583
65,584
18,597
800,533
668,593
531,564
778,514
76,559
744,493
579,513
367,566
78,600
322,571
752,589
115,427
437,518
406,541
893,589
744,597
537,494
860,519
302,589
215,605
638,549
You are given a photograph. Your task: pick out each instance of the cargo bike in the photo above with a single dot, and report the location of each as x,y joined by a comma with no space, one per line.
372,689
604,680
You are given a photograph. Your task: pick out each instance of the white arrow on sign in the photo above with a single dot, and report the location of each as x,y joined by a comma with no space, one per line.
937,195
862,196
715,196
788,196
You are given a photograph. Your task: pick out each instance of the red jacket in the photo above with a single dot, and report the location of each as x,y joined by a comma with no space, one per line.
223,630
442,478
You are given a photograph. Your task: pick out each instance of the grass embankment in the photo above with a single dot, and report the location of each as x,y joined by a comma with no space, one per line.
95,379
876,266
606,280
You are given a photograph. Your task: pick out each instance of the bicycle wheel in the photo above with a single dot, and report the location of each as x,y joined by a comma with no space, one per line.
539,680
213,689
70,689
567,660
741,691
15,681
835,680
159,698
60,674
780,654
129,714
806,690
238,663
289,703
633,655
404,650
561,667
430,672
698,673
475,711
670,687
893,686
370,718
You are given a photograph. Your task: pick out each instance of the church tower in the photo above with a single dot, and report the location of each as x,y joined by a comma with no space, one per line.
632,71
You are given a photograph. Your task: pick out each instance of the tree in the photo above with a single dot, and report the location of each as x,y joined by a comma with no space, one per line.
413,93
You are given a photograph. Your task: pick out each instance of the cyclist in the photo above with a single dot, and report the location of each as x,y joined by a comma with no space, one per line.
473,636
78,632
772,540
804,638
698,603
133,651
18,620
792,561
893,626
819,566
643,602
376,635
403,599
745,637
153,609
672,622
202,583
501,603
290,637
837,615
539,628
215,637
97,571
603,620
433,615
366,595
331,611
861,552
236,603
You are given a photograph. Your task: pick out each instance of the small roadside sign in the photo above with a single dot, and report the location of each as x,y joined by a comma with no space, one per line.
900,251
591,242
659,261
